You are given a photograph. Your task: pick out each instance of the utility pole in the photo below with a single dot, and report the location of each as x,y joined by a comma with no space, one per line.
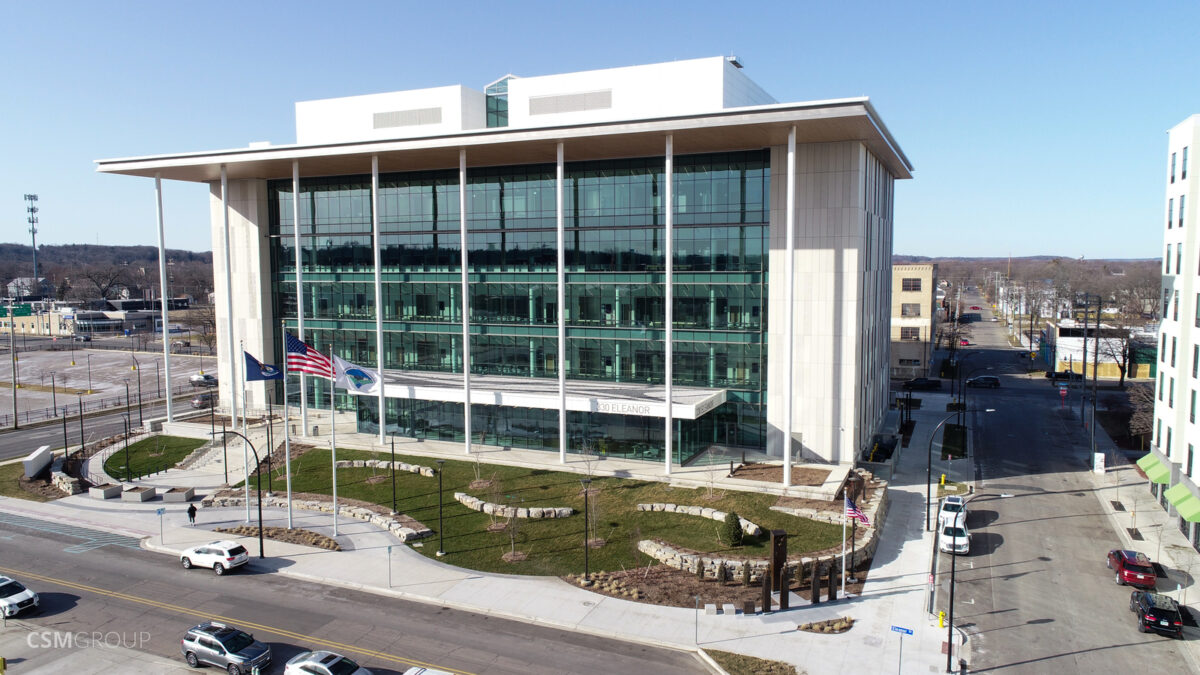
31,199
1083,375
12,350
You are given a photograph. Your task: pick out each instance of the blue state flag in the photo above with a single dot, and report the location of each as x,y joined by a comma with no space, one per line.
257,370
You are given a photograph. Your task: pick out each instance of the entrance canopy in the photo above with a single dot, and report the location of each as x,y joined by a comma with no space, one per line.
615,398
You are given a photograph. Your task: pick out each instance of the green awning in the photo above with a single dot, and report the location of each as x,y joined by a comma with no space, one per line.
1189,509
1178,494
1154,469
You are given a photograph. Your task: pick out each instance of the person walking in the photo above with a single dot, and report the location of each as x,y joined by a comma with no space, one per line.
192,514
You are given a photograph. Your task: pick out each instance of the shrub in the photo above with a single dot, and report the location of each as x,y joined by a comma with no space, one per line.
733,528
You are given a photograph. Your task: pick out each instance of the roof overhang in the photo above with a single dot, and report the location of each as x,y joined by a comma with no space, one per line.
727,130
616,398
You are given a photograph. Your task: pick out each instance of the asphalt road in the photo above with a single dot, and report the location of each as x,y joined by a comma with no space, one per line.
136,593
1034,595
20,442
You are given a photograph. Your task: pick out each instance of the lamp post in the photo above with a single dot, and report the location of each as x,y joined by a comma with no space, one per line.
128,409
950,622
587,484
441,530
89,360
53,393
929,458
128,474
81,442
158,379
393,474
258,480
139,372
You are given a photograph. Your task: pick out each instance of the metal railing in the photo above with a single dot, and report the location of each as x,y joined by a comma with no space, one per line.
94,404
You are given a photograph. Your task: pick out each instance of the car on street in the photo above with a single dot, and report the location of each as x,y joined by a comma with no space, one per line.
964,342
1063,375
223,646
322,663
1156,612
82,338
955,537
203,401
15,598
976,308
1132,568
203,380
922,384
986,381
953,509
220,556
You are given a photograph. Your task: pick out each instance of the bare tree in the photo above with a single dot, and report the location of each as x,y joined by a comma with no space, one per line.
1141,420
102,280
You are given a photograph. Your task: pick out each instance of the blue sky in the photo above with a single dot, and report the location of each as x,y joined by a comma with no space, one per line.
1034,128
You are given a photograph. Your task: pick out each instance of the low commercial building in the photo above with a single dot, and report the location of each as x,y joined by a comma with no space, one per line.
914,319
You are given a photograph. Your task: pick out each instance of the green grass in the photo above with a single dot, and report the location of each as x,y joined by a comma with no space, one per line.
10,476
151,455
553,546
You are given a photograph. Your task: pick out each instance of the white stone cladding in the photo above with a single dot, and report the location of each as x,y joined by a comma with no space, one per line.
843,298
250,258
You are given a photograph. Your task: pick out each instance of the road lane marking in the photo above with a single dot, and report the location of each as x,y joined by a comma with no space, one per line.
216,617
93,539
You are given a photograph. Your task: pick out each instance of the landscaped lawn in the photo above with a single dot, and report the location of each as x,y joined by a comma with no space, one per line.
553,546
10,486
150,455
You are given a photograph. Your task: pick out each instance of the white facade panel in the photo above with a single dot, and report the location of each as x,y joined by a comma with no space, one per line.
358,118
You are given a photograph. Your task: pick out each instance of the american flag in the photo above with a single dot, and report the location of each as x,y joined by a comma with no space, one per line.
304,359
854,513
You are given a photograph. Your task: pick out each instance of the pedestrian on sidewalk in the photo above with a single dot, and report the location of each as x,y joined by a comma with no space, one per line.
192,514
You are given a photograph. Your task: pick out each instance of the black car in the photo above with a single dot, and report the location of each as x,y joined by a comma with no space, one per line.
989,381
1156,612
82,338
1063,375
922,384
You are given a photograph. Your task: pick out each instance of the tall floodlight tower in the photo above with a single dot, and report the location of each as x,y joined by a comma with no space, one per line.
31,207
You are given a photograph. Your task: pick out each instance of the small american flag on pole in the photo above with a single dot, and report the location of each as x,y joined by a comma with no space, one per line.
304,359
854,513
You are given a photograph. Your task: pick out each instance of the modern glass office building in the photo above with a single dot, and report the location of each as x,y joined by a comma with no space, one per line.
624,240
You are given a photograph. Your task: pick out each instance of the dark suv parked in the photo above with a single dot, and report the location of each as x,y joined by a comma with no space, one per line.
216,644
922,384
1156,612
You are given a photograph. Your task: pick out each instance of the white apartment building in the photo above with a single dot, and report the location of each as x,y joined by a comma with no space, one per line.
1171,463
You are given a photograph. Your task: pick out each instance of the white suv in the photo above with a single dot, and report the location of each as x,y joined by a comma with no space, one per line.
15,598
219,555
952,509
955,537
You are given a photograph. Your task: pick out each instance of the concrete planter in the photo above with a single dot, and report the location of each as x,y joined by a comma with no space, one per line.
179,495
138,494
107,491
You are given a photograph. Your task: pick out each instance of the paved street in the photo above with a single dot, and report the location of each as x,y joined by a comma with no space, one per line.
20,442
114,589
1034,595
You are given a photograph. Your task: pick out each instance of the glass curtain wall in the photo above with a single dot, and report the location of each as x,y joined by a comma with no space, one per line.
614,305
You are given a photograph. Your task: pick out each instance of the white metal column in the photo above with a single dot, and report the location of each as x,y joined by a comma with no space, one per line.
789,312
466,299
162,286
669,254
559,228
299,291
233,383
378,291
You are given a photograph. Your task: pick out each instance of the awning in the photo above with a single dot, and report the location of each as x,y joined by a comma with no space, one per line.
616,398
1184,502
1155,470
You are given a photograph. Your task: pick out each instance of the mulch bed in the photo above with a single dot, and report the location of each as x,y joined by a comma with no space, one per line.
773,473
40,487
669,587
292,536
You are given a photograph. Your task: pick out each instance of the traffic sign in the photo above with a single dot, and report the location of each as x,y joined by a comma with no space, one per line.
1062,392
160,511
901,629
18,310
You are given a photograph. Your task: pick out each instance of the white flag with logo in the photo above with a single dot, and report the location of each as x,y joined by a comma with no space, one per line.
355,379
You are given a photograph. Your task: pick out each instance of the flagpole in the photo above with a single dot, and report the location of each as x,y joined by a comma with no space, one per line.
245,451
333,443
845,507
287,440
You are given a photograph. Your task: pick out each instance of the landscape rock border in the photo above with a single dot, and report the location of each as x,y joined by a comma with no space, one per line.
398,529
704,512
504,511
426,471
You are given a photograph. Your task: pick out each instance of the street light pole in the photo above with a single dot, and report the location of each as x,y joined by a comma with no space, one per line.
393,474
950,622
929,460
81,442
128,474
258,481
441,530
587,484
89,360
140,422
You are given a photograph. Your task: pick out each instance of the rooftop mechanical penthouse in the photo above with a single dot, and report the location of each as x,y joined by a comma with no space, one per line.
609,251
